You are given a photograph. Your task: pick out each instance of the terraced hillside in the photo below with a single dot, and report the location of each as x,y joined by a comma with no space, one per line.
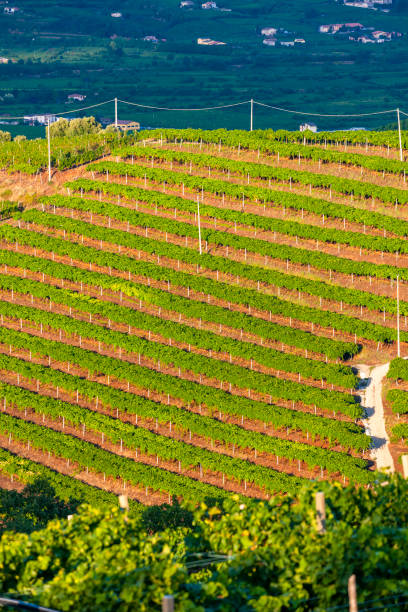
187,317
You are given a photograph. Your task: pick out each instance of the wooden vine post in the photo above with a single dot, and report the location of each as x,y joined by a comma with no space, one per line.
124,504
352,593
320,512
168,603
405,465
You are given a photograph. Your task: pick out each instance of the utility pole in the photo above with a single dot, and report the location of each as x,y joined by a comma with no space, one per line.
199,225
49,149
252,115
398,321
399,134
116,112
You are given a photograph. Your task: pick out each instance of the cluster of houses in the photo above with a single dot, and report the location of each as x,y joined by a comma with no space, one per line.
359,33
270,38
75,97
10,10
209,42
40,119
207,6
370,4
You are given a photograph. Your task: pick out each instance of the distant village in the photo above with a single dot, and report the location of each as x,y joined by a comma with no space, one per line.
272,36
359,33
377,5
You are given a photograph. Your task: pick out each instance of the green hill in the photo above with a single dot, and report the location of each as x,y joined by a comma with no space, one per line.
60,49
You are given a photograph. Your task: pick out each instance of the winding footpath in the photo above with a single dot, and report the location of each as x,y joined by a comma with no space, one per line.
374,423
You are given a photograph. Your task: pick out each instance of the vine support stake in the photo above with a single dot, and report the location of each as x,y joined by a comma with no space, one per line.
199,225
49,149
404,459
398,321
168,603
124,503
320,512
352,593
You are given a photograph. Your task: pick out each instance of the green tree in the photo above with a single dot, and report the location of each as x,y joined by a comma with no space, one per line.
32,508
5,136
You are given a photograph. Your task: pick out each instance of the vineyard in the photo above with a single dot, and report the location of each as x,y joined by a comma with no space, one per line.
185,314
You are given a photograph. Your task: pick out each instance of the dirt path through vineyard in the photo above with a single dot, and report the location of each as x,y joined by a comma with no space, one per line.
375,422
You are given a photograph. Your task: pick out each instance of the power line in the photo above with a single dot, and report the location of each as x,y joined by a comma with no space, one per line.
77,110
219,107
295,112
163,108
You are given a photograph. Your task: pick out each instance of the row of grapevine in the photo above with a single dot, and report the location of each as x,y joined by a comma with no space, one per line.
208,427
355,297
240,377
145,441
303,256
269,172
249,297
86,455
198,309
257,141
65,487
398,400
259,195
400,432
337,374
342,137
398,369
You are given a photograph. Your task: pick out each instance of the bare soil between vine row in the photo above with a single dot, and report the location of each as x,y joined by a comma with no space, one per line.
264,459
329,168
277,211
371,348
47,306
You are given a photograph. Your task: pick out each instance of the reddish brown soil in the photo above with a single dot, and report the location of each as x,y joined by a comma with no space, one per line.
95,479
387,351
11,483
192,269
347,252
334,169
136,359
269,209
259,458
26,188
46,305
